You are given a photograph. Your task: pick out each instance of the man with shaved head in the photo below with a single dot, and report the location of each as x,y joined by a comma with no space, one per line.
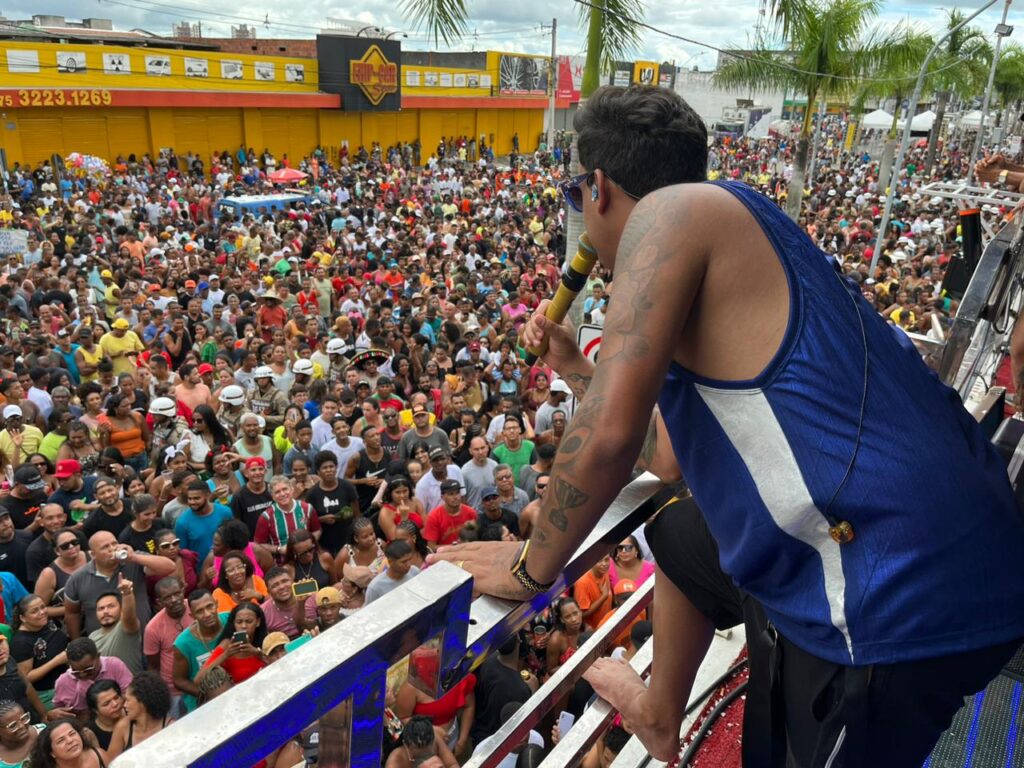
102,575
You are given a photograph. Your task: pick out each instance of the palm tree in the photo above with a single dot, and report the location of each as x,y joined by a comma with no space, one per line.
611,27
828,48
612,33
894,78
1009,82
960,67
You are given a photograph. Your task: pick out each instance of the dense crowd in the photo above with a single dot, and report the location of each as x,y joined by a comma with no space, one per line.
224,433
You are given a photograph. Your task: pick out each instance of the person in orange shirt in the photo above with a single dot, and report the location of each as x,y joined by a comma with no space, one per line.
593,593
620,594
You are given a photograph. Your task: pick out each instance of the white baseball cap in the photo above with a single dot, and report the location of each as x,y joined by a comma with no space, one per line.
12,410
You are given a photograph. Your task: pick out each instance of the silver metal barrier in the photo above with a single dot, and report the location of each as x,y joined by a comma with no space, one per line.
584,733
350,660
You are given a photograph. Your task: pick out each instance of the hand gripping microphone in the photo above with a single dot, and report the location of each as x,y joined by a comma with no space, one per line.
573,281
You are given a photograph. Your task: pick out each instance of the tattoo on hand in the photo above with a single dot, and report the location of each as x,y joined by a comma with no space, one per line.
567,496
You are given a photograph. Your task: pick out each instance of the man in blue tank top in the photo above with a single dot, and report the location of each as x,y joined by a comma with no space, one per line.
844,505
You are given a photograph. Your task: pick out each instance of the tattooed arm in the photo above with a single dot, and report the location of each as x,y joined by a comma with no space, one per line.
657,276
659,269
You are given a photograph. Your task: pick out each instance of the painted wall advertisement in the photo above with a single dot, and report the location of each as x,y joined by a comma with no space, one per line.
570,77
523,75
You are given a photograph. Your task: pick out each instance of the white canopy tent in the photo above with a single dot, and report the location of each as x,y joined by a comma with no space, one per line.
879,120
921,123
973,119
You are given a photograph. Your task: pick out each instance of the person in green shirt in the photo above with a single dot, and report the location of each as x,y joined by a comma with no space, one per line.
58,423
515,451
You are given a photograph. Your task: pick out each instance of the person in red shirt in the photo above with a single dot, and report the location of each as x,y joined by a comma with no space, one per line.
444,522
270,315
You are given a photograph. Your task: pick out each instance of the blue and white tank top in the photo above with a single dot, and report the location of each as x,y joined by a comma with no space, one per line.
935,565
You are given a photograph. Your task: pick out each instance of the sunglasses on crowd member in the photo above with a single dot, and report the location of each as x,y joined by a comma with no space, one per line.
83,672
625,548
572,189
67,545
171,543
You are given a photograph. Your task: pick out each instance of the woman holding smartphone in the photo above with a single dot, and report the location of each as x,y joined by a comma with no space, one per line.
238,647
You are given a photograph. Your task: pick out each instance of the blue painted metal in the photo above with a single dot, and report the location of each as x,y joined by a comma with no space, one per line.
351,660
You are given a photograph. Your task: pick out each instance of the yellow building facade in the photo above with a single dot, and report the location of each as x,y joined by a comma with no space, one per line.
113,101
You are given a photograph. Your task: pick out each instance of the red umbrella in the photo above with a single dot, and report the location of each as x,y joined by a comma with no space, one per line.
285,175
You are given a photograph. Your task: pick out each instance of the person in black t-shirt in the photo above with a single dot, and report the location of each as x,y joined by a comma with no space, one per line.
113,513
13,545
39,644
14,688
142,531
254,497
336,503
42,551
26,497
499,682
491,512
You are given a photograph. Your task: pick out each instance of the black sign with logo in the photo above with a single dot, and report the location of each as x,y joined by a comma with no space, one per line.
367,72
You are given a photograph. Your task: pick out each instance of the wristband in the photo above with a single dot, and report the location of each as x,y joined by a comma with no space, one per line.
524,578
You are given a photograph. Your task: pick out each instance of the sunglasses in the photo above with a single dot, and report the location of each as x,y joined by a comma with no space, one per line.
67,545
625,548
171,543
80,673
573,192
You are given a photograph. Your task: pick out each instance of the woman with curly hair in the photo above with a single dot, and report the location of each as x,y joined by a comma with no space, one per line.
65,744
147,703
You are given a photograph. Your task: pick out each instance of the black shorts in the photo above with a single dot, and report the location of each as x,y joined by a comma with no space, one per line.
805,712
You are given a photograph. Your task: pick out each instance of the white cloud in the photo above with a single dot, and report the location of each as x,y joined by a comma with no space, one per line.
497,24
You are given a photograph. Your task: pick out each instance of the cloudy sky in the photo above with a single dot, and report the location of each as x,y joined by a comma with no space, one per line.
494,25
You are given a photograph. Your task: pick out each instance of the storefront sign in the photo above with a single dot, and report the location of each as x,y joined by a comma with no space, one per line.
56,97
365,71
375,75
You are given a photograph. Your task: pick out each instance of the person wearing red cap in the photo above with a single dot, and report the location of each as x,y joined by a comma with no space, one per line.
254,497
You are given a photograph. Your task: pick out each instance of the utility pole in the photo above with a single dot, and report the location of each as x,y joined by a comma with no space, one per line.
552,85
1003,30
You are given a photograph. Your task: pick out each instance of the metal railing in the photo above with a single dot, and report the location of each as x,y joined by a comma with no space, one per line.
349,662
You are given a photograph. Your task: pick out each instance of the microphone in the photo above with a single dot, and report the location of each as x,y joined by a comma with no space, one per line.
573,281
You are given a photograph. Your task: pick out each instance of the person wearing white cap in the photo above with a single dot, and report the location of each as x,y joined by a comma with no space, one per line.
267,400
558,394
18,440
168,427
232,400
303,370
336,353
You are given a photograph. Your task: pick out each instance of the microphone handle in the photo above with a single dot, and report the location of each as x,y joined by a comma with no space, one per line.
573,281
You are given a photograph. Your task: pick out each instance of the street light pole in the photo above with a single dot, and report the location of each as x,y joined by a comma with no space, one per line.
905,142
553,85
1001,31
